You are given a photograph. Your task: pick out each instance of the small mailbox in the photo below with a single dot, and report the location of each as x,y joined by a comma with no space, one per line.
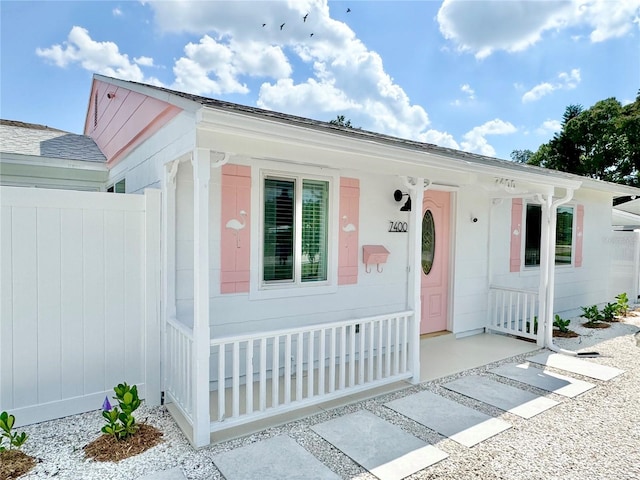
374,254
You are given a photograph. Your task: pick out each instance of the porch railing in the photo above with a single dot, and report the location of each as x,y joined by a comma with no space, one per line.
178,367
513,311
261,375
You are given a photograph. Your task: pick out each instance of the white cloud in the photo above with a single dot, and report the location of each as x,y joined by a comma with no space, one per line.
100,57
549,127
347,78
144,61
568,81
116,12
226,63
466,88
482,27
475,141
443,139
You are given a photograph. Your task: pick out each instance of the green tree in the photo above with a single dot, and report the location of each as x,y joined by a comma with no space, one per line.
521,156
601,142
341,122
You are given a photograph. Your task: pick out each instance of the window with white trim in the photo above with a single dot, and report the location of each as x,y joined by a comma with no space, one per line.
533,231
295,230
118,187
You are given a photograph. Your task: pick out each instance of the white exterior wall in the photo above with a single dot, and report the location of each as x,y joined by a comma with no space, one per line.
575,286
375,293
471,260
79,299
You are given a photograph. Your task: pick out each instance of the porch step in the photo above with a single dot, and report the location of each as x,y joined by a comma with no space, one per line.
576,365
451,419
505,397
549,381
385,450
278,458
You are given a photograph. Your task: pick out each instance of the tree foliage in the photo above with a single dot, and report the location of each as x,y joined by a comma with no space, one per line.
601,142
341,122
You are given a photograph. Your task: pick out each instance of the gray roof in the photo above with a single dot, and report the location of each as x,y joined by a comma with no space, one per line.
22,138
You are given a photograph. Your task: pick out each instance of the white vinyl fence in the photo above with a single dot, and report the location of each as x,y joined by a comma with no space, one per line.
625,264
79,292
513,311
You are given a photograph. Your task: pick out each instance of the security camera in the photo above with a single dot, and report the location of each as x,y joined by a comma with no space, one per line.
474,219
110,95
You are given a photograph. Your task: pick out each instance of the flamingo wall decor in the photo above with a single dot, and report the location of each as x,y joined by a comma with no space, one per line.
237,225
347,227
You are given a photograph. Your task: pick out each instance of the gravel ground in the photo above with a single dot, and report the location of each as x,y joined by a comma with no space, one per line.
593,436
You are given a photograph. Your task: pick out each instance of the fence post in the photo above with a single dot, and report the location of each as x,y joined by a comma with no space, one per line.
151,295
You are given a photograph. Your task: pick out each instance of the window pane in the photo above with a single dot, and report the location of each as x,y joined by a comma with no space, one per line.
564,235
278,229
428,241
532,235
314,230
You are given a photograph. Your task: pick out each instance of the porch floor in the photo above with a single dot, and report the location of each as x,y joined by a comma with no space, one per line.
440,356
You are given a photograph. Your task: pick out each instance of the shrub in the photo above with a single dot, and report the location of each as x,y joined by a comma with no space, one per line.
592,314
120,421
609,312
622,305
561,324
15,439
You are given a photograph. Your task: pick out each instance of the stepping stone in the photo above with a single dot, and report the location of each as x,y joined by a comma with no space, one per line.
172,474
552,382
576,365
385,450
508,398
278,458
461,424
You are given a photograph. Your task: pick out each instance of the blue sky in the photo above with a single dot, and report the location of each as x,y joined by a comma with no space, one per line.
478,75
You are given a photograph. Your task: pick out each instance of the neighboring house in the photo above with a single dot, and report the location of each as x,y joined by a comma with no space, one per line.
297,249
39,156
626,214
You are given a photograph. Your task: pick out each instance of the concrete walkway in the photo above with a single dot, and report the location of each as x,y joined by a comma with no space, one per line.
390,453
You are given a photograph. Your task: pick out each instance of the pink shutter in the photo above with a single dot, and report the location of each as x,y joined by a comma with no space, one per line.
349,227
235,239
579,234
516,235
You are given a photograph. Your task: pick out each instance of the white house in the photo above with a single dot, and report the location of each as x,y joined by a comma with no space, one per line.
302,261
317,255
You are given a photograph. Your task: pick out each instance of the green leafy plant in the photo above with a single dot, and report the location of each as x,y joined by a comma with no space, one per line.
609,312
592,314
622,305
120,420
535,325
561,324
15,439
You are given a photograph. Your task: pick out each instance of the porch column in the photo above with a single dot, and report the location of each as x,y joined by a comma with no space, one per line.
545,255
414,277
201,337
169,244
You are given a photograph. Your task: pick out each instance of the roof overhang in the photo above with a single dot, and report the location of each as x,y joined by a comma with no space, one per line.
256,136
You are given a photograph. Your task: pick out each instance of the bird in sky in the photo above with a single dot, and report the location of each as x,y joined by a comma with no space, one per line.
311,34
281,26
264,24
304,19
348,10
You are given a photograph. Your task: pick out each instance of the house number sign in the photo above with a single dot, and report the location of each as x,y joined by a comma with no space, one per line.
397,227
505,182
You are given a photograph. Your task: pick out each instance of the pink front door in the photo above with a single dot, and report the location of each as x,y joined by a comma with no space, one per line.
435,261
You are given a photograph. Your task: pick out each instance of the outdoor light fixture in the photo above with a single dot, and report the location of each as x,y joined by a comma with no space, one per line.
397,196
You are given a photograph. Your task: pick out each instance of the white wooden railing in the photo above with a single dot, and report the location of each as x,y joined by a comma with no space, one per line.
513,311
178,367
264,374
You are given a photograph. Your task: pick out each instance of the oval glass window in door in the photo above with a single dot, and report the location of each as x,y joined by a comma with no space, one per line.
428,241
